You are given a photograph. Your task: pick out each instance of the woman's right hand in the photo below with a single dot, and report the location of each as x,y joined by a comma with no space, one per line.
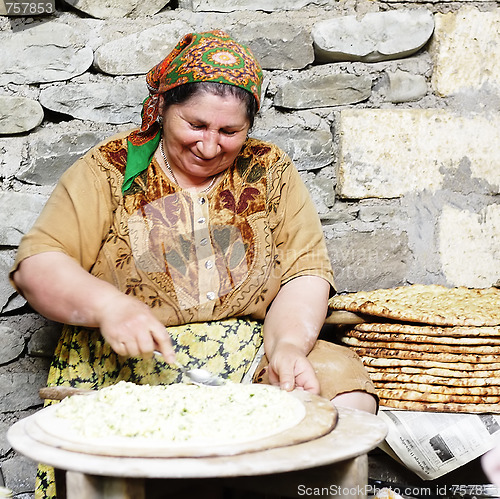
57,287
131,329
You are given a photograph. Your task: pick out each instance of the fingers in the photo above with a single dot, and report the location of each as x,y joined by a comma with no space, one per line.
163,343
292,372
284,378
308,380
127,348
144,344
131,329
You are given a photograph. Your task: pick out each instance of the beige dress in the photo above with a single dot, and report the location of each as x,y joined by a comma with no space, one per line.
208,264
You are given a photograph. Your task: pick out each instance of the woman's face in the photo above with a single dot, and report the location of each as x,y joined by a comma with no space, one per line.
203,135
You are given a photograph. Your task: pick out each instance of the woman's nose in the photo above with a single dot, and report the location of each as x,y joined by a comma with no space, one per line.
208,146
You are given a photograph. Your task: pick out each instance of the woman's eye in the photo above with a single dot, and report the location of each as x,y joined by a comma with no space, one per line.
195,126
228,132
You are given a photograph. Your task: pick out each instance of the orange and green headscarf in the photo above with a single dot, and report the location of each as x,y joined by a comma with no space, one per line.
198,57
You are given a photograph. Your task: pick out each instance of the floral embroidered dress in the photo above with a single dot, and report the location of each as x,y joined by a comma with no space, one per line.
199,260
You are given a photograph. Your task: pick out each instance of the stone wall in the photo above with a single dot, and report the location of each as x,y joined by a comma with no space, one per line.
389,110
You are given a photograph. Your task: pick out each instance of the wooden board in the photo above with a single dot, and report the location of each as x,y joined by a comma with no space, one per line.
320,418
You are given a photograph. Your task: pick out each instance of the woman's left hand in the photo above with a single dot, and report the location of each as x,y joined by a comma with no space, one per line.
291,328
289,368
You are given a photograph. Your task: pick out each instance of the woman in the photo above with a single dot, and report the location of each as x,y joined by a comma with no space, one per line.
190,238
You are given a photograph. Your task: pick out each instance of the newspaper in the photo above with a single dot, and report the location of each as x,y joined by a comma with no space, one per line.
432,444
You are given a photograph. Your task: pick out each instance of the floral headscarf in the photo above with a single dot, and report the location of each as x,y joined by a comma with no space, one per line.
198,57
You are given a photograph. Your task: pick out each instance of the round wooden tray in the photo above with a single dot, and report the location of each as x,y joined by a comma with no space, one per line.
320,418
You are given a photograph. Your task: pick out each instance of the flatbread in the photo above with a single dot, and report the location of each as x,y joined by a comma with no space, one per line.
465,368
416,396
415,338
409,405
421,347
381,376
432,371
482,333
482,391
428,304
389,353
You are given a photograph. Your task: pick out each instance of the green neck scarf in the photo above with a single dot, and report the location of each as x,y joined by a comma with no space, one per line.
138,159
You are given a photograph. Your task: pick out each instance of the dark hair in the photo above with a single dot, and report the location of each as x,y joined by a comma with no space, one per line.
182,93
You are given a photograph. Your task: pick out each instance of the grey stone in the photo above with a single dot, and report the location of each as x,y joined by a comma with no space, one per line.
19,212
375,37
42,53
6,290
139,52
104,101
304,136
12,344
5,446
365,261
381,213
337,216
44,340
233,5
52,150
277,45
20,473
118,8
405,87
19,390
18,114
11,154
321,190
421,212
14,303
323,91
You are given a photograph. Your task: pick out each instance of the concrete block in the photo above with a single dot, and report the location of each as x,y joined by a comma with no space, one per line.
387,153
466,51
469,246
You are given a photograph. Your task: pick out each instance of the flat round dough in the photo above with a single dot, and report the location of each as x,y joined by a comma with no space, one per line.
184,420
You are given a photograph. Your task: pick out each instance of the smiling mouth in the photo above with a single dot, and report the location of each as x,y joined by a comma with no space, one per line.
203,160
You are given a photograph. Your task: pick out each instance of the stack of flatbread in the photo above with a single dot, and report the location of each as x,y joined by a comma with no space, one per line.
428,347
